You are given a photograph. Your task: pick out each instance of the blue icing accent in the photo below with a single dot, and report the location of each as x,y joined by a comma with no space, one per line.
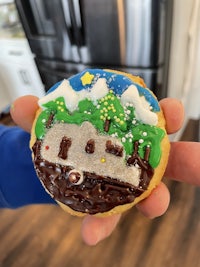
152,100
112,79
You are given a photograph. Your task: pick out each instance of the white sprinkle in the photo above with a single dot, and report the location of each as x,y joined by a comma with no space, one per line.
114,134
141,141
130,140
127,104
144,133
43,121
123,139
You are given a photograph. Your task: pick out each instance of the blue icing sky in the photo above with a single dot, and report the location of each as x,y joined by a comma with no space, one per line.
112,79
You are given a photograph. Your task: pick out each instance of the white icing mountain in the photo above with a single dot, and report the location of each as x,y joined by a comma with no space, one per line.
100,89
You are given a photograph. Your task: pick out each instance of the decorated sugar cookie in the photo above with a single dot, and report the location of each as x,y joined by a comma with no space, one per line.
99,143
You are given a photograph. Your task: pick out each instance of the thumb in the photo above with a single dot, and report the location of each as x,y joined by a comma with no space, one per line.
23,111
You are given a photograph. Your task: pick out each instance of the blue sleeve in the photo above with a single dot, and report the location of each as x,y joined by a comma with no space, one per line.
19,184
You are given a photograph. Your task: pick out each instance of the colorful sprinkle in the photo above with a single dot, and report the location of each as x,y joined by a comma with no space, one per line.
103,160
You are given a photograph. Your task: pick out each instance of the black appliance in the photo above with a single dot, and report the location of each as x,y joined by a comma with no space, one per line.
68,36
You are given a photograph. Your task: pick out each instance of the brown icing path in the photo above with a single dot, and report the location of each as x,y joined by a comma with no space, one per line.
95,194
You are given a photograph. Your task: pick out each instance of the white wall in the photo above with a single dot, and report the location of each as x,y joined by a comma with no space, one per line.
184,74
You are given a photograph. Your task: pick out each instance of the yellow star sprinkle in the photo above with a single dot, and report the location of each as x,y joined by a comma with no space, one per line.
87,78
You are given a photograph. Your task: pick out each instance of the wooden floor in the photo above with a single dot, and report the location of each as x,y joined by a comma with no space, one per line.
44,235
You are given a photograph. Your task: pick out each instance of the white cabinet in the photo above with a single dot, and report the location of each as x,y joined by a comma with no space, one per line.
18,72
4,98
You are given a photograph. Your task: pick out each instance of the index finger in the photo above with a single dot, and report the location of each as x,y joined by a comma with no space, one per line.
183,164
174,114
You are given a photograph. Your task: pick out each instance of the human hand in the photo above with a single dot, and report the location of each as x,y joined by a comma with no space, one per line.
95,229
